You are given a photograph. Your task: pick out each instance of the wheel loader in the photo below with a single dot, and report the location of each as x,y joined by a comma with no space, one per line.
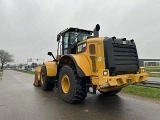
86,63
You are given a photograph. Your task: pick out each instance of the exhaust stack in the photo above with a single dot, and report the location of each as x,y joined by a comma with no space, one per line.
96,31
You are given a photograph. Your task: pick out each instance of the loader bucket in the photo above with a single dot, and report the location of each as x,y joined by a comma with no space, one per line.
37,79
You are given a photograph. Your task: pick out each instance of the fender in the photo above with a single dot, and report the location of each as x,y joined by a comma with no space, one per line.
51,68
81,62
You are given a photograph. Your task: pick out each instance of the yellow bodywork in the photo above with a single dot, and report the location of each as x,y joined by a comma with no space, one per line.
37,76
106,82
92,64
51,68
83,63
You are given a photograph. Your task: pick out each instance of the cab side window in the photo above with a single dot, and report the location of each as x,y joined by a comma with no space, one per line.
65,42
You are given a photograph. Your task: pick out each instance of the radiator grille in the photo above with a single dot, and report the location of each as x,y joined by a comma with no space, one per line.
120,57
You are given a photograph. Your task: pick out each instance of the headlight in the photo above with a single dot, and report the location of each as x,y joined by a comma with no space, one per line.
143,70
105,73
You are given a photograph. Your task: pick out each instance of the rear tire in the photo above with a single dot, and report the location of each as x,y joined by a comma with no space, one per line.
71,87
110,93
47,83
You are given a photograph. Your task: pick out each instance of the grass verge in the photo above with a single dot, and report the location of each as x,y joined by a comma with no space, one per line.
25,71
154,74
148,92
151,71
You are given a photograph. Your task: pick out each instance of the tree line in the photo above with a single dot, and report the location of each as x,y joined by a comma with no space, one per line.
5,57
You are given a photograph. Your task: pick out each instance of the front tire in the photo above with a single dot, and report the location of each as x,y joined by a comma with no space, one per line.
71,87
47,83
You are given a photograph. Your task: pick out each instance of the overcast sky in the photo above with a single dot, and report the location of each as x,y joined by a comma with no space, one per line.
28,28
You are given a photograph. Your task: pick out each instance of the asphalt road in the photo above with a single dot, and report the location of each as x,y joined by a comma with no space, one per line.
20,100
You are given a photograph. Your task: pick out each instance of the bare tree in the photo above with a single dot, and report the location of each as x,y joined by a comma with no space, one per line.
5,57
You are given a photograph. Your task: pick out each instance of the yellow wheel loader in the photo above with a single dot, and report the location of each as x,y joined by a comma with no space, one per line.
85,61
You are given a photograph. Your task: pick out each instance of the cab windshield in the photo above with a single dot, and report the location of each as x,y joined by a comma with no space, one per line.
78,36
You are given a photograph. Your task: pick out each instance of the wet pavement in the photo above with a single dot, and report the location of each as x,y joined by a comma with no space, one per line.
20,100
1,74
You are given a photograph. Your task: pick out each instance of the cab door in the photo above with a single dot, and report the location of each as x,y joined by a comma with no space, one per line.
65,44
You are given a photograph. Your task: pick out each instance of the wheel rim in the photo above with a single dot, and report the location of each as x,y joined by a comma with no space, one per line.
42,78
65,84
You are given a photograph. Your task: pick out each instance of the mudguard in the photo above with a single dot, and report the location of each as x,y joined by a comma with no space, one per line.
81,62
51,68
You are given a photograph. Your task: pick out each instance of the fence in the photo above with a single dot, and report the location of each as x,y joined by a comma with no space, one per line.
153,84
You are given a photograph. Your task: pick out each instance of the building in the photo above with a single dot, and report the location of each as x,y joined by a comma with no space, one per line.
149,62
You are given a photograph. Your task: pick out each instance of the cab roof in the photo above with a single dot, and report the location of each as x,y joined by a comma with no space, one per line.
72,29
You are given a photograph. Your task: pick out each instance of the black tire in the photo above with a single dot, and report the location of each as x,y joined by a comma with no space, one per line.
76,91
47,83
110,93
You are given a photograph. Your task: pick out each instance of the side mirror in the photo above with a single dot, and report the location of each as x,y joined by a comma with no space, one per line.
50,53
58,37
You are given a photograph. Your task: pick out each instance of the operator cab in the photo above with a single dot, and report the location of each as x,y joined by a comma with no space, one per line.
70,38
